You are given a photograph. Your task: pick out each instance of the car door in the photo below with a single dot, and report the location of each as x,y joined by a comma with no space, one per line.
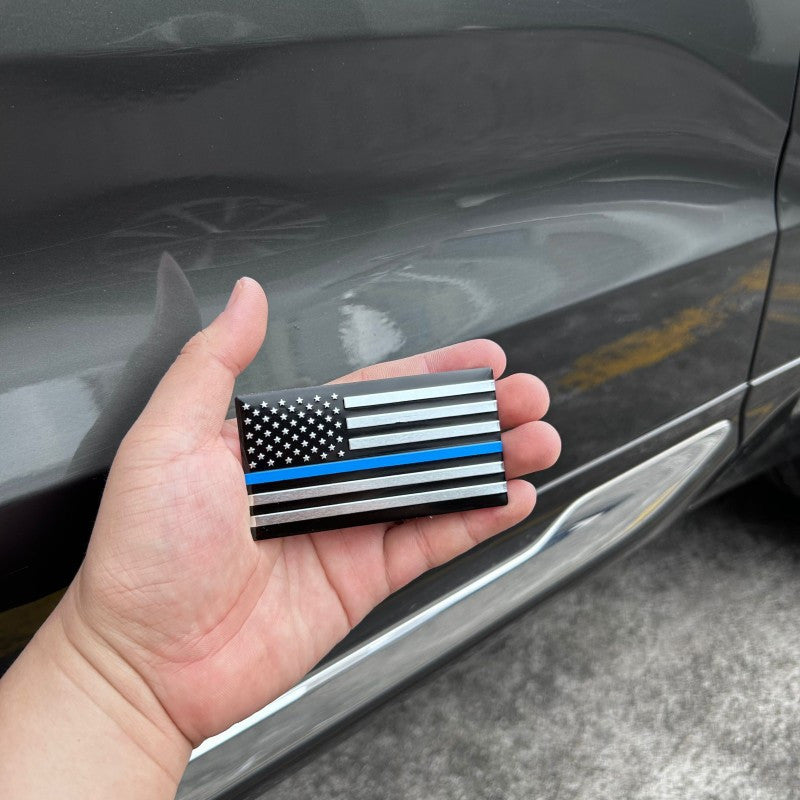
771,417
592,187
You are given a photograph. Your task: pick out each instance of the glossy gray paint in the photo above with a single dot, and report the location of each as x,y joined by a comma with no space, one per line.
779,341
591,187
747,39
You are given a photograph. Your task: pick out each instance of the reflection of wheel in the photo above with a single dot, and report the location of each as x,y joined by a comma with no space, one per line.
213,232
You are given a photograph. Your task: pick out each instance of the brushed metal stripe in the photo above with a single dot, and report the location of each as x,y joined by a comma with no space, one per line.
424,435
378,504
421,414
423,393
382,482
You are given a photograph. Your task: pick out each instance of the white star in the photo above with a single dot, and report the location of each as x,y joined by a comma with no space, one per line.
277,439
306,457
256,412
293,422
296,452
335,410
257,427
328,418
247,421
324,455
259,441
322,443
320,427
326,404
270,463
313,449
299,399
301,414
341,453
269,448
249,435
251,449
304,443
252,465
275,424
288,459
263,404
291,408
281,402
295,437
309,406
283,416
245,406
285,431
334,396
338,424
332,447
319,412
338,438
316,398
274,410
313,435
260,456
279,454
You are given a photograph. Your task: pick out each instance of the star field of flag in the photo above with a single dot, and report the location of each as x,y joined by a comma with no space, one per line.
323,457
294,429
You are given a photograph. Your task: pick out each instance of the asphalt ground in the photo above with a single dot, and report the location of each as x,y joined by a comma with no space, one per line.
671,673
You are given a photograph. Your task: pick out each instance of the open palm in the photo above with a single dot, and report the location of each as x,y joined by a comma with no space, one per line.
216,623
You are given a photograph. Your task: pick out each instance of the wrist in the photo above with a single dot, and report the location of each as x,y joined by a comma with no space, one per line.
102,729
130,702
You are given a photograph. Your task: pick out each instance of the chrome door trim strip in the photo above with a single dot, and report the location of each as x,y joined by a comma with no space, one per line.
773,373
597,524
643,439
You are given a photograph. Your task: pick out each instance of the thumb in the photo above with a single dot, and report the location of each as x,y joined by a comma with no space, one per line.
193,396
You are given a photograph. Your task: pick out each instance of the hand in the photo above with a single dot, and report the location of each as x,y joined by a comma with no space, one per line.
213,623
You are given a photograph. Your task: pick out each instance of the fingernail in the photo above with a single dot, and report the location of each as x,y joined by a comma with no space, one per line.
235,294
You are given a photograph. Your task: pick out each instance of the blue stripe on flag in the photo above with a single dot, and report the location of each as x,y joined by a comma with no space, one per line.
373,462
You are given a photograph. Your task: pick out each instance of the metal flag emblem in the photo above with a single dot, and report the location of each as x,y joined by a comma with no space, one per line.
347,454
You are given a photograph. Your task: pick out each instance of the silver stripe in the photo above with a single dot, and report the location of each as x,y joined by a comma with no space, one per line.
773,373
382,482
378,504
421,414
424,393
424,435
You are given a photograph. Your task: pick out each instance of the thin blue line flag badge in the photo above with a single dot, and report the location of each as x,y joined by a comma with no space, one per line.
326,457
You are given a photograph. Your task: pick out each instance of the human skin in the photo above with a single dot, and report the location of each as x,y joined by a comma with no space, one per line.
177,623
